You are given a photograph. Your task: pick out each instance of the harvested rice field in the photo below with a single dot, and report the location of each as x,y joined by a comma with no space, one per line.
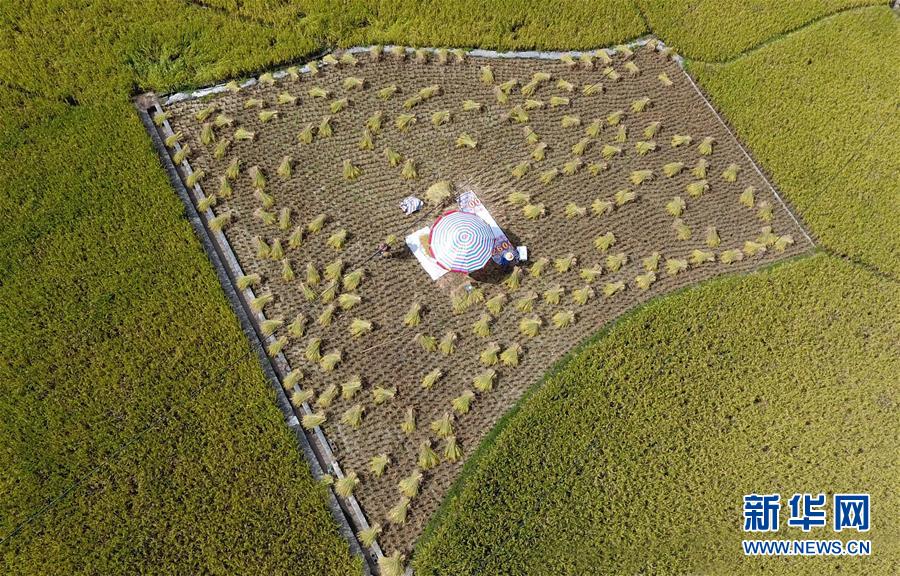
610,167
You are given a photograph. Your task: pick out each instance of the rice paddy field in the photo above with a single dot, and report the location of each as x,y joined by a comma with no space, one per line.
139,433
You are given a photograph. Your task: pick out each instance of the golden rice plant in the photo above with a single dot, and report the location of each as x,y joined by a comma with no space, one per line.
651,262
388,91
412,102
604,242
638,177
408,425
651,129
767,236
510,356
525,303
225,189
614,117
520,169
682,230
565,263
783,243
428,459
564,318
664,79
430,379
206,203
573,210
173,139
610,289
325,130
632,68
533,211
680,140
268,327
547,176
697,189
614,262
489,356
338,239
413,316
262,249
394,564
330,59
352,416
359,327
326,316
409,486
267,115
447,345
380,394
530,326
207,134
440,118
181,155
553,294
287,271
310,421
233,86
421,55
590,275
582,295
495,304
730,173
731,256
313,351
487,75
624,196
518,114
752,248
764,211
248,280
443,426
305,136
353,83
274,348
218,222
378,464
452,450
318,92
699,170
699,257
621,133
514,280
643,147
673,169
471,106
366,142
640,104
501,96
297,327
592,89
557,101
539,151
367,536
570,167
312,68
329,293
482,327
462,403
373,122
443,56
712,237
301,397
329,361
593,129
351,280
409,172
253,103
601,207
645,280
538,266
484,382
465,140
675,206
675,266
706,146
394,158
425,342
747,197
259,302
243,135
565,85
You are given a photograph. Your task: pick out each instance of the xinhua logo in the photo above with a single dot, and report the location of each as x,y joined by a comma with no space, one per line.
807,512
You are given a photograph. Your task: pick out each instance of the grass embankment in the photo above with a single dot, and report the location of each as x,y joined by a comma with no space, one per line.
636,452
716,30
821,111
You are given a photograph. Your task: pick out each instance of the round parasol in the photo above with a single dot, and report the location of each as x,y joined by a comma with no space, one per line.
461,241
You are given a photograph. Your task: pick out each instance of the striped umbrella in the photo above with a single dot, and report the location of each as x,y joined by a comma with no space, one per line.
461,241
